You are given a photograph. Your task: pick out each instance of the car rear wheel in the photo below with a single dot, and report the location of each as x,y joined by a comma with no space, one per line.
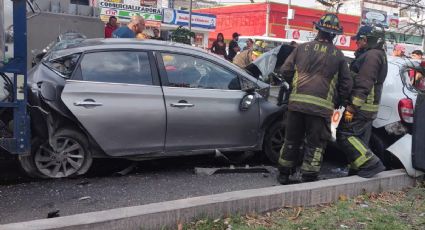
273,141
68,157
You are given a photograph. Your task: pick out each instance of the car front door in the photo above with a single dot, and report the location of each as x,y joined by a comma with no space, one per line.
116,97
203,100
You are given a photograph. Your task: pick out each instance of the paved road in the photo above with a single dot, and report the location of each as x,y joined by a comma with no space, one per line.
24,199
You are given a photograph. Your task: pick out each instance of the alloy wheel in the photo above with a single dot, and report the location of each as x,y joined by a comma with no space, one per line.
62,161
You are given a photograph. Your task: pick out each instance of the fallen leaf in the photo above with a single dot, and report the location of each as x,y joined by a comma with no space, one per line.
179,226
343,197
343,226
298,212
403,215
422,214
216,220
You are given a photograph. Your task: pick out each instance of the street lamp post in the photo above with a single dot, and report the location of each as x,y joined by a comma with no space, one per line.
190,16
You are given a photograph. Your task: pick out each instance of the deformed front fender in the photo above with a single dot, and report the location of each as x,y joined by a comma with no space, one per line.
402,149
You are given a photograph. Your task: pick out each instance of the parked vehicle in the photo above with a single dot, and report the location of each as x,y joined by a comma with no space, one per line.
124,98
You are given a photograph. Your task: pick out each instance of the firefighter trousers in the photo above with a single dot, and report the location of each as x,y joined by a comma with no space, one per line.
352,138
305,142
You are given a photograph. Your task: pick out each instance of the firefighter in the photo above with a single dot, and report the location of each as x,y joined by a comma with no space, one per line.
319,76
369,71
246,57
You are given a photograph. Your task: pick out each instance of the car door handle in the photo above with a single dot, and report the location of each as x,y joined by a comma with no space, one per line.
181,105
87,103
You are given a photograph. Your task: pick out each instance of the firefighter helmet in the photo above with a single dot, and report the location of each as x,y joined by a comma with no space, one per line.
374,36
329,23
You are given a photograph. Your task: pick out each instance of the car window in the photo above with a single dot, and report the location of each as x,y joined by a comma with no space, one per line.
191,72
117,67
64,66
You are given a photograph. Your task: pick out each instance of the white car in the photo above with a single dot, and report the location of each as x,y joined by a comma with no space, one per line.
392,129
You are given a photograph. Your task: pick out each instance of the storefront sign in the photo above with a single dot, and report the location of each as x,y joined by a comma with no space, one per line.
124,14
376,17
305,35
180,17
125,9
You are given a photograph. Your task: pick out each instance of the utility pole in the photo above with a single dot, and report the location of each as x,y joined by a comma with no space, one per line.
287,27
267,18
190,16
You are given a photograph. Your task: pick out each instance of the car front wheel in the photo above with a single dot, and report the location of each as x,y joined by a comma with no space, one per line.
67,156
273,141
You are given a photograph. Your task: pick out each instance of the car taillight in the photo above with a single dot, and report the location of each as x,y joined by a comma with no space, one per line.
405,110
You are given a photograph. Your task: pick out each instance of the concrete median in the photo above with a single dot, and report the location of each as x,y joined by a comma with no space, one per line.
169,214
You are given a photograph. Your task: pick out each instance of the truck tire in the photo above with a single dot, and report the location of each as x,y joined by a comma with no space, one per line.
273,141
70,157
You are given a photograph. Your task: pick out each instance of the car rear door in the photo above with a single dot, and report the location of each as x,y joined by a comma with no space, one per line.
202,99
117,98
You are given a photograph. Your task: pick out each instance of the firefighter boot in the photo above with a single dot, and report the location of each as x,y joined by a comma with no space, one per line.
371,168
283,177
309,177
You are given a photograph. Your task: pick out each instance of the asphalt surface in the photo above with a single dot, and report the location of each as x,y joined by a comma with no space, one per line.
23,199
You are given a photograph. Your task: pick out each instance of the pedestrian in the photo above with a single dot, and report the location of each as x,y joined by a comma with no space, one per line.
233,47
219,46
417,55
249,44
399,51
320,81
136,25
156,34
369,70
246,57
111,26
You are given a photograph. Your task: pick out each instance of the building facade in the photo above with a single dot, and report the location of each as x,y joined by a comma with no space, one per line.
269,19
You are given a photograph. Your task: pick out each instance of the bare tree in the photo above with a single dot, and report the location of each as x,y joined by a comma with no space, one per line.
332,5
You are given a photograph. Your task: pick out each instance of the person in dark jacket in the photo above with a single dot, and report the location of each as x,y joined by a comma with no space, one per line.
233,47
369,70
219,46
320,80
111,26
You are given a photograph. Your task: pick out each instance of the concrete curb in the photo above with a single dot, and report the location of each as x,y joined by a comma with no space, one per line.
168,214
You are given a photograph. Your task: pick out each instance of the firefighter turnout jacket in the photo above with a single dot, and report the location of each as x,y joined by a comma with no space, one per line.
369,71
320,78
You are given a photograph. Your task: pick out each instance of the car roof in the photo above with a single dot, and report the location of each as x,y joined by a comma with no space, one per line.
111,43
265,38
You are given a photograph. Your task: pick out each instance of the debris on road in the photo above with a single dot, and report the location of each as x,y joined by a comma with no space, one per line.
127,170
53,214
84,198
233,169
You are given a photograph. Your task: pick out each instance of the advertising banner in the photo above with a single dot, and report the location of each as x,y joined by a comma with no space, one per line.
124,11
305,35
376,17
393,21
180,17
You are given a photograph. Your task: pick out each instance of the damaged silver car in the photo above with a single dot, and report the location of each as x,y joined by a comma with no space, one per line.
122,98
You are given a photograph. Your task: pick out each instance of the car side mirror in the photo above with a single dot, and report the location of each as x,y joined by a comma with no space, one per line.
247,101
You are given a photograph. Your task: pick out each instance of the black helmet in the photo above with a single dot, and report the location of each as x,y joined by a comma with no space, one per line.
329,23
375,36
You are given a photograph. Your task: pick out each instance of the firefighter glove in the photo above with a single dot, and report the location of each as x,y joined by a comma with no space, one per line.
348,116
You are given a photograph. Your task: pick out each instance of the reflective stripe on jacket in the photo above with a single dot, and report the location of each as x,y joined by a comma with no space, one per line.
319,76
369,71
